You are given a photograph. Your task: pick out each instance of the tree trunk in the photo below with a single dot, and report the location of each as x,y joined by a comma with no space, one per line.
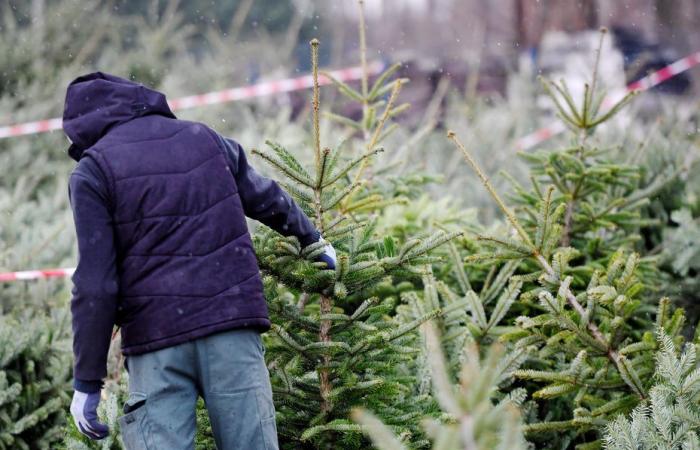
324,376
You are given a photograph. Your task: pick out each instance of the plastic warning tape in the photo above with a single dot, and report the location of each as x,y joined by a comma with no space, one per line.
304,82
214,98
644,84
36,274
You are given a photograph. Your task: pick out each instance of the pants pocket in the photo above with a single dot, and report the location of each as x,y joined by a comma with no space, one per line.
269,433
133,424
262,346
266,415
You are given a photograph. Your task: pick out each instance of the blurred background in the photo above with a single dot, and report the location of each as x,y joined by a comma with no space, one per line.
459,39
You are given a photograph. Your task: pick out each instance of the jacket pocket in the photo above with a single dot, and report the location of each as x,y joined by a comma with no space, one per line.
133,425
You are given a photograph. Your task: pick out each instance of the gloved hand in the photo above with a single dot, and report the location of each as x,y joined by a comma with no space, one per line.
83,408
328,256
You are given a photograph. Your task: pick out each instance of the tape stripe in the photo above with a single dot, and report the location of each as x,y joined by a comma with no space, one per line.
212,98
653,79
37,274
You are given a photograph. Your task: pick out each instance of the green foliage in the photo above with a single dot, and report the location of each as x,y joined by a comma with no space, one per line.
598,231
204,440
682,253
585,296
464,316
471,419
670,419
35,363
273,16
334,345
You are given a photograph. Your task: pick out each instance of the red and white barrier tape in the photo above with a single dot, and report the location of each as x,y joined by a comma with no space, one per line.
653,79
214,98
304,82
36,274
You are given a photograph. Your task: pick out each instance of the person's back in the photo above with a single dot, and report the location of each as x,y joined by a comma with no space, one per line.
180,233
159,206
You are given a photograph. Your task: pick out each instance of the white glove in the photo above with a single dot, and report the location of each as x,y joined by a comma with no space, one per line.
328,256
83,408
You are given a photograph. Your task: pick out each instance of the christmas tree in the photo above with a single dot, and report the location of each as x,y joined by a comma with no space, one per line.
471,419
334,347
585,303
670,420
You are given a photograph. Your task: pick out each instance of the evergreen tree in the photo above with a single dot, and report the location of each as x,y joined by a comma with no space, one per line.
334,346
670,419
34,381
582,300
471,420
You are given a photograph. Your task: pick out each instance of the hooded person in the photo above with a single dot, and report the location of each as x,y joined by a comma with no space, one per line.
159,206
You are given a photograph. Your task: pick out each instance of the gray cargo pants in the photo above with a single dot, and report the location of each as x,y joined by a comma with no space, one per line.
226,369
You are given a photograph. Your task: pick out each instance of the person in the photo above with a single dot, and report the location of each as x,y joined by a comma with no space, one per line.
159,206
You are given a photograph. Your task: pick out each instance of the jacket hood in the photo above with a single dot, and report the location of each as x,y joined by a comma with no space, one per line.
98,101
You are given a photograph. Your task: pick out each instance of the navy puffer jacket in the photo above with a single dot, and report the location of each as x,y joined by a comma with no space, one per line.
159,206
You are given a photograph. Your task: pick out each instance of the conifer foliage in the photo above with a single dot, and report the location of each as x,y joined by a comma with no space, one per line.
549,328
471,419
670,420
35,373
583,304
334,346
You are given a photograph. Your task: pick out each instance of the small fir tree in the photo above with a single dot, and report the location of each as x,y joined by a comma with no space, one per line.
670,419
334,347
582,300
587,323
471,420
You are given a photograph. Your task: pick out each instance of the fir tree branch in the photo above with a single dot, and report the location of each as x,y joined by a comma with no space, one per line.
279,165
316,105
377,131
489,187
382,437
350,165
373,93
